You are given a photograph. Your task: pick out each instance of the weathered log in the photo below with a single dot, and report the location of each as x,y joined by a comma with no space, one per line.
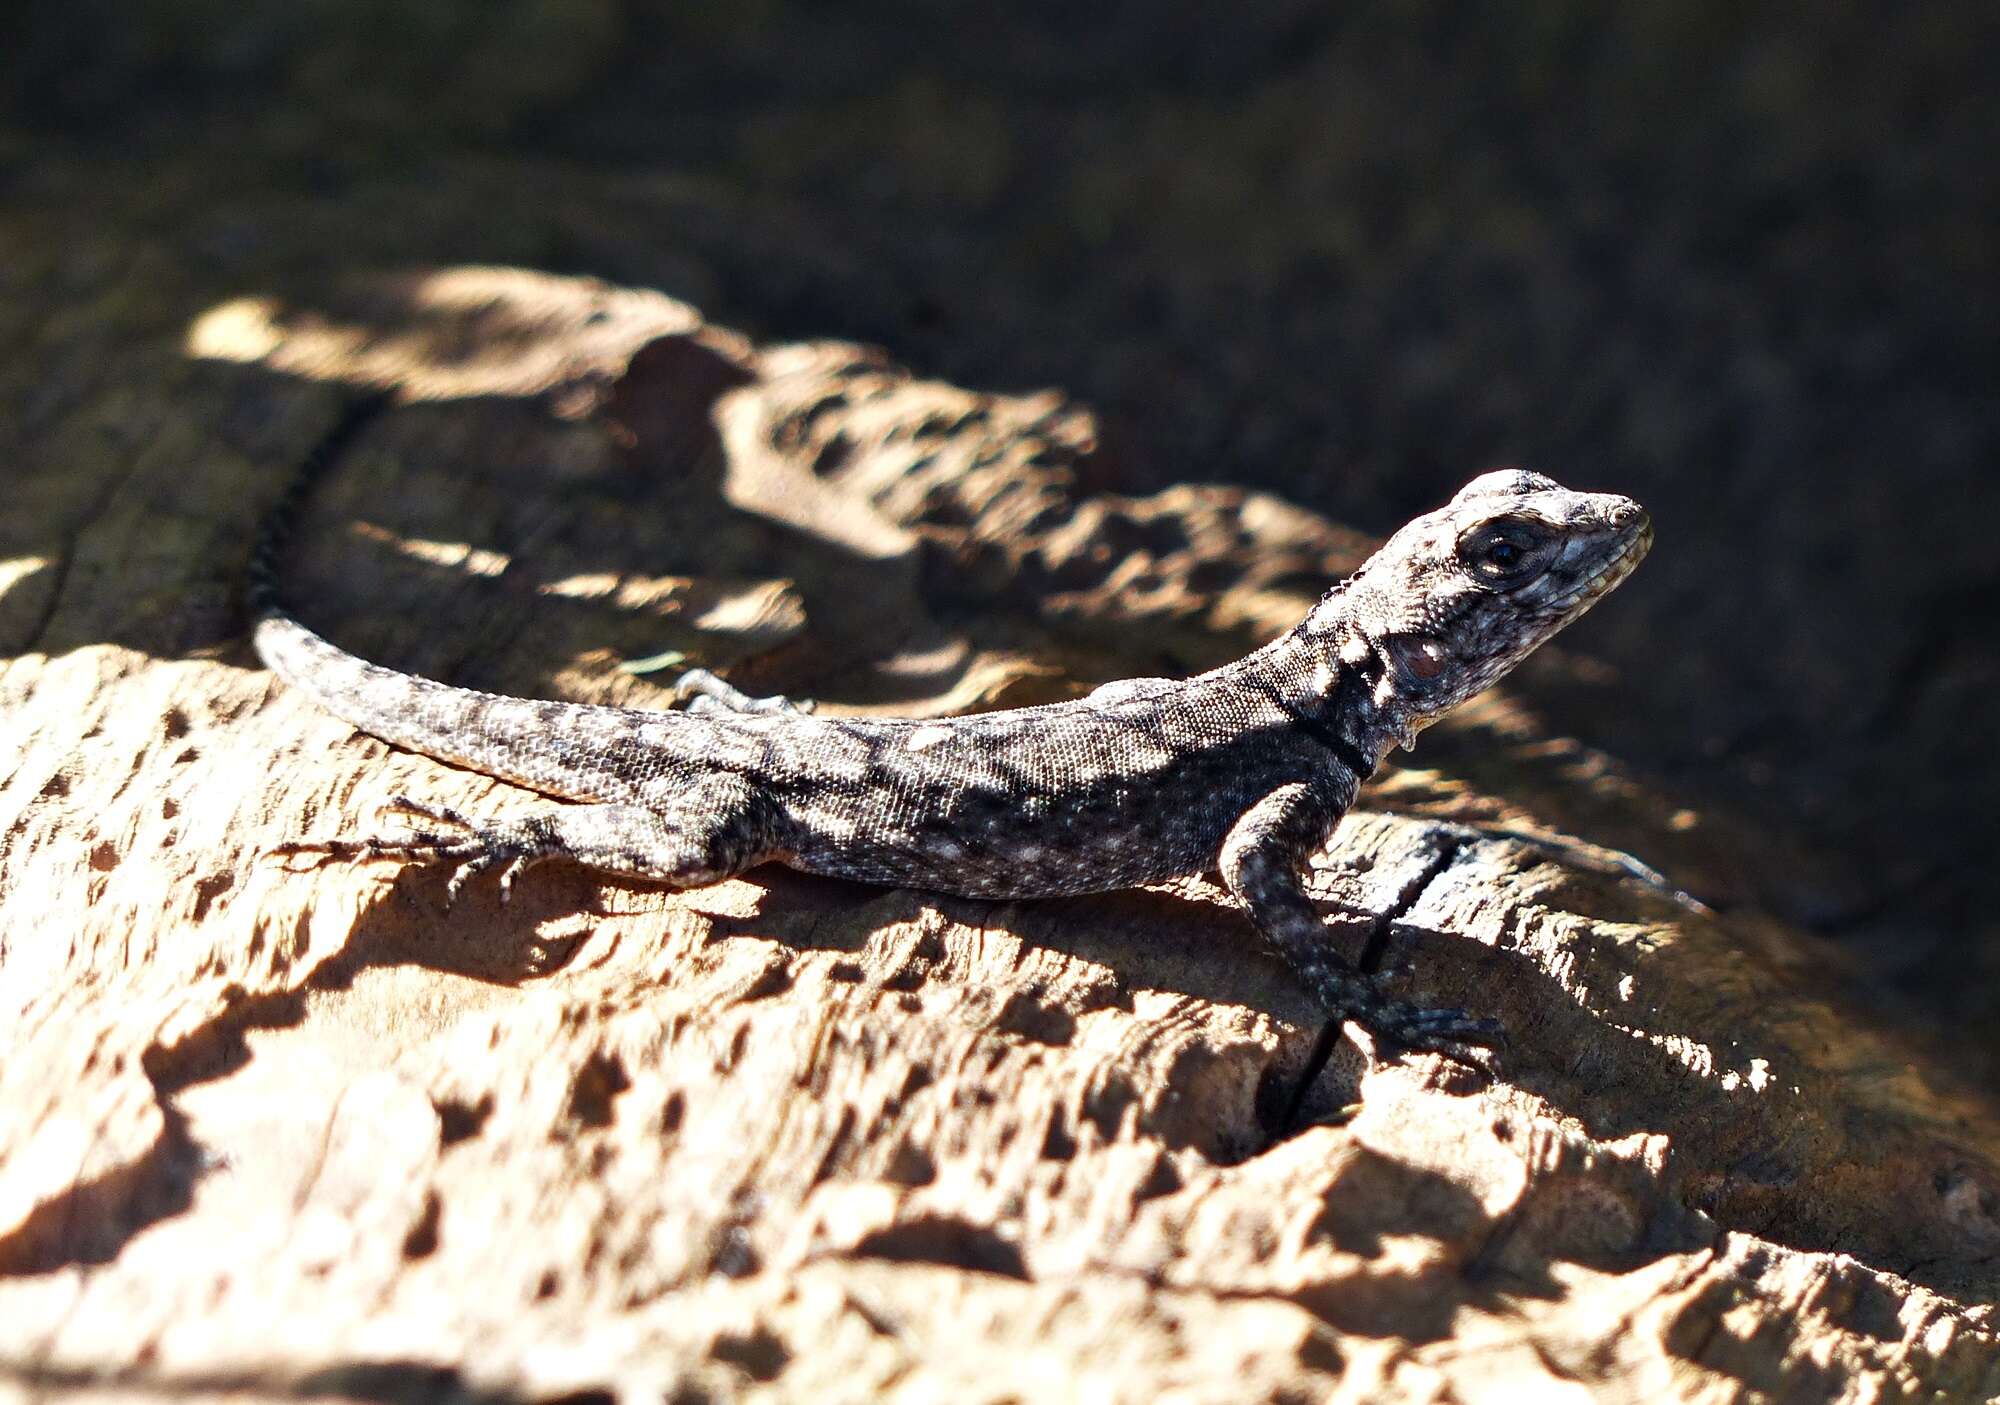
272,1130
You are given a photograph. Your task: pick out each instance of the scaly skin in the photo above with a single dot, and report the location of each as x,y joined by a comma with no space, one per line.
1245,769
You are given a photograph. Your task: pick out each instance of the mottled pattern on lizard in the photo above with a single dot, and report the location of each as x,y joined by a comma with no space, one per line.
1245,769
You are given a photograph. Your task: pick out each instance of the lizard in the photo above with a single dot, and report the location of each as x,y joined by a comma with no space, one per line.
1243,770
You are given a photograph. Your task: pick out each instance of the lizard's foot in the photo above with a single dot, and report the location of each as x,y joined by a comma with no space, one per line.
703,692
1460,1037
469,847
1399,1025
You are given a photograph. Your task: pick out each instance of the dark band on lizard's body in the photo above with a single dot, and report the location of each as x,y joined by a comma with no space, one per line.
1245,769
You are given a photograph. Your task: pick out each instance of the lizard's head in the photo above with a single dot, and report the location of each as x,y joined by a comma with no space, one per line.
1459,596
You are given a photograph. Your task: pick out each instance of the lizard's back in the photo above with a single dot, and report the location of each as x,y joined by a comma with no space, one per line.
1073,797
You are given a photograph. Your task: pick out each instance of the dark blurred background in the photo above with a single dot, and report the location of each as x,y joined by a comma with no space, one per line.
1738,261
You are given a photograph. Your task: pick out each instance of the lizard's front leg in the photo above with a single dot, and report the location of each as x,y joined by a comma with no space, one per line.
1262,860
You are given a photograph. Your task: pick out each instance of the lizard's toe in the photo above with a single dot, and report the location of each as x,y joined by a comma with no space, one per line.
1457,1035
437,814
1474,1056
508,847
704,694
470,868
512,871
1418,1023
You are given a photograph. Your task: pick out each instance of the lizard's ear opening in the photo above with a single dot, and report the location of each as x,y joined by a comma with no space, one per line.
1419,660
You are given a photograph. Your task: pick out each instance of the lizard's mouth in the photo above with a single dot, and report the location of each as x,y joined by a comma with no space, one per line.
1631,549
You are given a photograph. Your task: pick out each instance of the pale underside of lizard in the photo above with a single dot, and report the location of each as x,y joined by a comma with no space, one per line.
1244,770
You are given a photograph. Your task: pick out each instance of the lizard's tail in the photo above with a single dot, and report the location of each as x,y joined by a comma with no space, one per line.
556,748
274,535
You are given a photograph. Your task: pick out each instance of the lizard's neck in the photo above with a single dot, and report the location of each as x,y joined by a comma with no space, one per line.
1330,676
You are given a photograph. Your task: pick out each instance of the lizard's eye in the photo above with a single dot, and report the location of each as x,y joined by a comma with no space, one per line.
1503,553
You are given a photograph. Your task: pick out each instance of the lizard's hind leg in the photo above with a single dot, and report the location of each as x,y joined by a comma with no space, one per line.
703,692
714,829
